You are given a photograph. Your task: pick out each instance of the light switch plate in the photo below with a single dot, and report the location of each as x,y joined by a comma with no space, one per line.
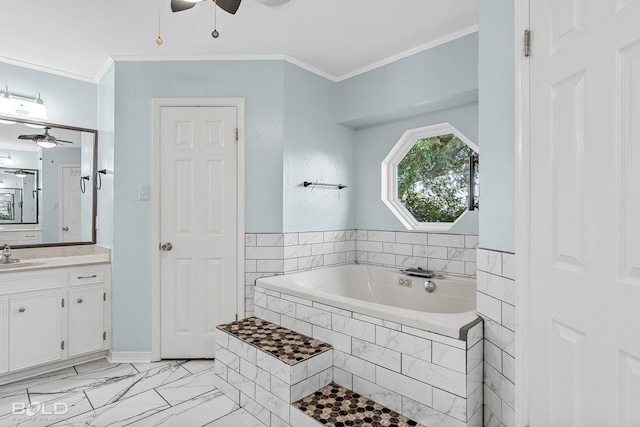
143,193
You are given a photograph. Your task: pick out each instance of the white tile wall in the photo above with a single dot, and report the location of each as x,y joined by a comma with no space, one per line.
449,253
496,304
436,380
267,254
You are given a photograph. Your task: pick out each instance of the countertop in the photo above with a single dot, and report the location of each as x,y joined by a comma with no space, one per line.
43,258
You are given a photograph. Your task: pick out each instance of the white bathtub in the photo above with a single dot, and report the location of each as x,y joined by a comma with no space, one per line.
375,291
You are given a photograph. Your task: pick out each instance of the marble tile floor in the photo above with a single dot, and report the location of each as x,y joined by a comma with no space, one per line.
166,393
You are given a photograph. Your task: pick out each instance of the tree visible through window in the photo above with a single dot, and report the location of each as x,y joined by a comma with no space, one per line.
433,179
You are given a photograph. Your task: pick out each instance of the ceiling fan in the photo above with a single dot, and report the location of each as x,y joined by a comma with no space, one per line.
230,6
20,173
46,140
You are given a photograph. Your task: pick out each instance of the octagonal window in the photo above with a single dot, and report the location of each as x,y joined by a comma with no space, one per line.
429,178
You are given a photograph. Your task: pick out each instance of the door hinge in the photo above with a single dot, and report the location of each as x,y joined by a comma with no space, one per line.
104,336
104,296
62,303
527,42
62,345
236,134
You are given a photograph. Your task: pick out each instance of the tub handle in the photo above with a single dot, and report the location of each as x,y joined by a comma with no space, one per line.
429,286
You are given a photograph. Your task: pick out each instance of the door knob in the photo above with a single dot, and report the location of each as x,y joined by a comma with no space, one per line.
65,228
166,247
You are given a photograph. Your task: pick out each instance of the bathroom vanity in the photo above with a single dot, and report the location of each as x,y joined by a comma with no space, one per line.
54,309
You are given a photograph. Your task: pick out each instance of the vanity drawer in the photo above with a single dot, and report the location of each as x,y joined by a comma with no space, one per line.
11,282
30,236
83,276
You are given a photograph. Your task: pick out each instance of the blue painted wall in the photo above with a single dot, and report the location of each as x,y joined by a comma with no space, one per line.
372,146
137,83
69,101
496,75
292,134
106,141
298,126
316,148
435,86
438,78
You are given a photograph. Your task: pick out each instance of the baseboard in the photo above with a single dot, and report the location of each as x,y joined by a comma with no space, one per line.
50,367
129,357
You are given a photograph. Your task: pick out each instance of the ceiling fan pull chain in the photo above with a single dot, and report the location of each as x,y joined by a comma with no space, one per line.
159,39
215,34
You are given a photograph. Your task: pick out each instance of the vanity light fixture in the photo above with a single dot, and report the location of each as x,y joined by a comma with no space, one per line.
7,105
6,161
22,106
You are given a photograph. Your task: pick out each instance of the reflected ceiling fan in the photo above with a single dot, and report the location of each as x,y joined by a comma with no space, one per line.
46,140
20,173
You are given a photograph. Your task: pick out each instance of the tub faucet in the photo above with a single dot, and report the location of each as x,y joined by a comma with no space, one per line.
6,256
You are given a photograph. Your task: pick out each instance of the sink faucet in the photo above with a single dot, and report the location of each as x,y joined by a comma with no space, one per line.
6,256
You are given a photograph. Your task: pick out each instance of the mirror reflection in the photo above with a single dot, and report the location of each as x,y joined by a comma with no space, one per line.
47,189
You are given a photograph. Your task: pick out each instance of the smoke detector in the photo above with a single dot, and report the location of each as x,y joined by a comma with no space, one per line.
272,3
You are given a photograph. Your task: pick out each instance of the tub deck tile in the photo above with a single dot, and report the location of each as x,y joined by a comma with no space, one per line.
284,344
335,405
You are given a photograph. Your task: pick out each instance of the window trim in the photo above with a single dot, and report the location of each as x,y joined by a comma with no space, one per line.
389,191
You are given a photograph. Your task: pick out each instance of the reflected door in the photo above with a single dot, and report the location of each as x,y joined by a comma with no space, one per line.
198,220
70,208
584,346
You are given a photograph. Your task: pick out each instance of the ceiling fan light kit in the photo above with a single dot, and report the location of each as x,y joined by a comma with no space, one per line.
45,144
272,3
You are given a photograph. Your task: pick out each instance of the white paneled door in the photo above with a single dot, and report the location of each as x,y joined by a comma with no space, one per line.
584,344
70,209
198,290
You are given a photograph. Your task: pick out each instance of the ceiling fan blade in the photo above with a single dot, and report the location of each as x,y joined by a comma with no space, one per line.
66,142
230,6
30,137
180,5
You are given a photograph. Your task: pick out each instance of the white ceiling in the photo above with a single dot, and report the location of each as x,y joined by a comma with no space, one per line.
335,38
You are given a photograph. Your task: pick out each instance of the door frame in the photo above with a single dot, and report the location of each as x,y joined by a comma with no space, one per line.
522,210
158,103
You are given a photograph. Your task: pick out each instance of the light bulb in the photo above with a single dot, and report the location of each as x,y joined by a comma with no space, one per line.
45,143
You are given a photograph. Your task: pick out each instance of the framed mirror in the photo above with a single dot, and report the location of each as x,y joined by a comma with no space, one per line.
47,184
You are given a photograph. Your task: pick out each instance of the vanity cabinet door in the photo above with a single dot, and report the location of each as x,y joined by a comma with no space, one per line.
4,335
35,331
86,319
